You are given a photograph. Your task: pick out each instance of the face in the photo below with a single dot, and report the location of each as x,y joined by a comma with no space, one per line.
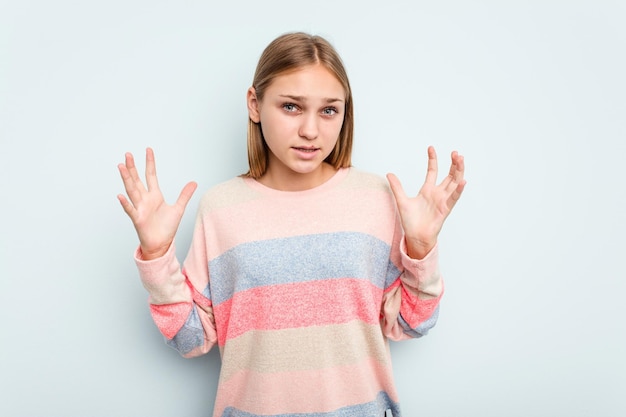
301,115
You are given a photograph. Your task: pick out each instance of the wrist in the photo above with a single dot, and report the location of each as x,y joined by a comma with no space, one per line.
417,249
148,254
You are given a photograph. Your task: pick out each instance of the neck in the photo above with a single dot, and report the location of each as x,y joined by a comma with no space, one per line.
295,181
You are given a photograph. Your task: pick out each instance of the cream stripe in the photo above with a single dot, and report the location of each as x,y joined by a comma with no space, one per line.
304,348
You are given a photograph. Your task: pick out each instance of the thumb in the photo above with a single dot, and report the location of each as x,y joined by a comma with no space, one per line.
396,188
186,193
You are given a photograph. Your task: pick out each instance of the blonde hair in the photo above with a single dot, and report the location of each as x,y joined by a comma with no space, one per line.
288,53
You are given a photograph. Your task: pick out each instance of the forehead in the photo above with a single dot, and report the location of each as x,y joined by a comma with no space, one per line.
308,81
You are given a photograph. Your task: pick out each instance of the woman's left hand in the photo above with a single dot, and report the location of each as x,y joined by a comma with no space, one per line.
422,216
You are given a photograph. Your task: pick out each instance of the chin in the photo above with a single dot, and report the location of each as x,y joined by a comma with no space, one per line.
308,169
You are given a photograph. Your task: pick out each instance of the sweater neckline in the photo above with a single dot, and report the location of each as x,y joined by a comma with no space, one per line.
328,184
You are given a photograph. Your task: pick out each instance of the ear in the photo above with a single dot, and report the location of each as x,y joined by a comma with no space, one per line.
253,105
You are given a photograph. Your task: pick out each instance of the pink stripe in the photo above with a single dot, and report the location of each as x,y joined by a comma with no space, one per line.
395,284
415,310
316,391
169,318
306,304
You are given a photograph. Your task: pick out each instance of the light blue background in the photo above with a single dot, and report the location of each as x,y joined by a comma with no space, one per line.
531,92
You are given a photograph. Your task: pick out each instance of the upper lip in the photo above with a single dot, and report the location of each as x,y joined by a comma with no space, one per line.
305,147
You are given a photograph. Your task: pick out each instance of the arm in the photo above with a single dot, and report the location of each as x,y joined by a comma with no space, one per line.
182,314
179,311
410,305
414,298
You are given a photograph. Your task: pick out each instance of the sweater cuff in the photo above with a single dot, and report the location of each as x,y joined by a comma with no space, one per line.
162,278
431,259
424,273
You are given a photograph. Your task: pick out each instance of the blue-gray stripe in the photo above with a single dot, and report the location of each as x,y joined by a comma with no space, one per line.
374,408
190,336
301,259
423,328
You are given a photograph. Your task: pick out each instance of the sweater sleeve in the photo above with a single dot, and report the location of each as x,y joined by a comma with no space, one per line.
182,314
411,303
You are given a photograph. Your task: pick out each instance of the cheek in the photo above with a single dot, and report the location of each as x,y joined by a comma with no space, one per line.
275,123
277,131
268,124
334,129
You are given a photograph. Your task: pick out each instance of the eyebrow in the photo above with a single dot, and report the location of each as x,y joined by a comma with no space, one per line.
303,99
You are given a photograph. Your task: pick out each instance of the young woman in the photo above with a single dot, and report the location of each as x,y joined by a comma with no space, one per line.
303,268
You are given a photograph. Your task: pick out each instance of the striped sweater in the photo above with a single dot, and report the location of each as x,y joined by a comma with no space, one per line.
301,292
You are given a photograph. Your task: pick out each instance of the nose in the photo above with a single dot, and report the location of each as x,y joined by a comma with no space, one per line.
309,129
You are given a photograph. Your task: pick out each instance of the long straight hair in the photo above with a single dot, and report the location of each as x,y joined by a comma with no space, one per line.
287,53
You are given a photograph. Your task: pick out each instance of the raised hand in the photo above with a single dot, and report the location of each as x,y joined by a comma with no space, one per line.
423,216
155,221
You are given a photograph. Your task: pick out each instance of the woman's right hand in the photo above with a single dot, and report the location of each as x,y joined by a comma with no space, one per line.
156,222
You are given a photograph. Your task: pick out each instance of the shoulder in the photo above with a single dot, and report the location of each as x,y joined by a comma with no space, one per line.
365,180
229,193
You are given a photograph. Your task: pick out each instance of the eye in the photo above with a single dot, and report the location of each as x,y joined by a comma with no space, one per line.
329,111
290,107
